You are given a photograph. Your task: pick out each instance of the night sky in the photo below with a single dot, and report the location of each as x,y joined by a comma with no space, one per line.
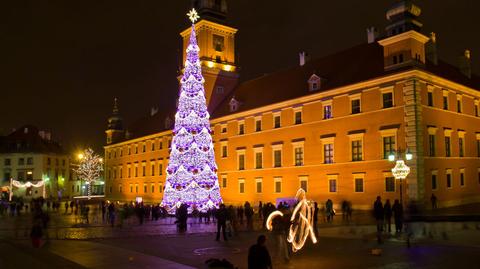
63,62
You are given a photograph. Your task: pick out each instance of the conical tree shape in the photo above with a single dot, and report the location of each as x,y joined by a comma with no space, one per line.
191,172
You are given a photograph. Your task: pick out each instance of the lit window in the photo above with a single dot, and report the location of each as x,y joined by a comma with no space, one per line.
224,181
462,177
332,183
356,150
387,99
388,146
258,159
461,146
448,152
431,145
328,153
298,156
241,185
430,98
224,151
445,100
258,125
359,184
298,117
459,104
303,180
258,185
355,106
449,178
276,121
278,184
434,180
277,158
241,160
389,184
241,128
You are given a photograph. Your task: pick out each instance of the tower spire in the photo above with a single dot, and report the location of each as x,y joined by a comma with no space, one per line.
115,129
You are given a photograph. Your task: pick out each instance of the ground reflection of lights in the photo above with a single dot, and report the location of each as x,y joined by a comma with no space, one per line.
301,222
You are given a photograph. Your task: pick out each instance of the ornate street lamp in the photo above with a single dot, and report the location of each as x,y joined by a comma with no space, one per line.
401,170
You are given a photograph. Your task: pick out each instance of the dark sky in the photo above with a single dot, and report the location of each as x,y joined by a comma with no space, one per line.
62,62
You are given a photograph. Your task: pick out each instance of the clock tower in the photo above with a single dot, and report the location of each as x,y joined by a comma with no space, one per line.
217,50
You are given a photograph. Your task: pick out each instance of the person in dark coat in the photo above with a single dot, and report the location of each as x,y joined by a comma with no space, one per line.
433,199
387,208
221,215
249,214
258,256
397,209
378,213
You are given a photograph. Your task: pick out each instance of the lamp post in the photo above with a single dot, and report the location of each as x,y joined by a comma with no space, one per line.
401,170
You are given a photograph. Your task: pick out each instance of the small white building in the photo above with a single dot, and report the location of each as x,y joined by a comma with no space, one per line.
30,155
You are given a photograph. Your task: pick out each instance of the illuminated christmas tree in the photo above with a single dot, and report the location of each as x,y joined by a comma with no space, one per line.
191,171
90,168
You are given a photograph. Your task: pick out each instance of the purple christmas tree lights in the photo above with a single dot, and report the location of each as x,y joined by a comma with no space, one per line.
191,171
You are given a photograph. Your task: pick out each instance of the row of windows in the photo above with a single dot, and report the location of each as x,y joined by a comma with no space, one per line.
449,178
29,161
134,188
432,143
446,104
277,157
356,145
358,183
112,172
143,148
387,101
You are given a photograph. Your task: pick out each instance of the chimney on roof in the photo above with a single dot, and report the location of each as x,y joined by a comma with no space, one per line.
465,64
431,49
153,111
372,34
304,57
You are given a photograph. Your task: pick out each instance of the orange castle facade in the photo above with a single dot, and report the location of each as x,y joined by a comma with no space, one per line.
327,126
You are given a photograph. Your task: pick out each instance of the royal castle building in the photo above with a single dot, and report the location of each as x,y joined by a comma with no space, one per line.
327,125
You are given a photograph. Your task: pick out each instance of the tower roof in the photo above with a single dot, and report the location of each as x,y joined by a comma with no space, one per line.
212,10
402,17
115,122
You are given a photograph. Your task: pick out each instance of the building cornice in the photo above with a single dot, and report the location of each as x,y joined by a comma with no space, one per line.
209,25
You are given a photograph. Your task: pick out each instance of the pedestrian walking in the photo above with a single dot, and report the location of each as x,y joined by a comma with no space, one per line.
433,200
66,207
397,210
378,213
258,255
249,215
240,214
111,214
221,215
387,208
329,210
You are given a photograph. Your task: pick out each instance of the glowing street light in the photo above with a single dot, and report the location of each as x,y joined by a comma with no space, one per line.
401,170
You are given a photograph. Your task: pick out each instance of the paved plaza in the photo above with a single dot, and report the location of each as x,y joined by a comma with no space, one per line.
157,244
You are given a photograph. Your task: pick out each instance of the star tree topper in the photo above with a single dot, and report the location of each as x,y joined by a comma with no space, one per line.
193,15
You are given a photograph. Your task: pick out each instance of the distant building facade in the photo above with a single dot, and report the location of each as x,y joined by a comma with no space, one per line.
30,155
327,125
